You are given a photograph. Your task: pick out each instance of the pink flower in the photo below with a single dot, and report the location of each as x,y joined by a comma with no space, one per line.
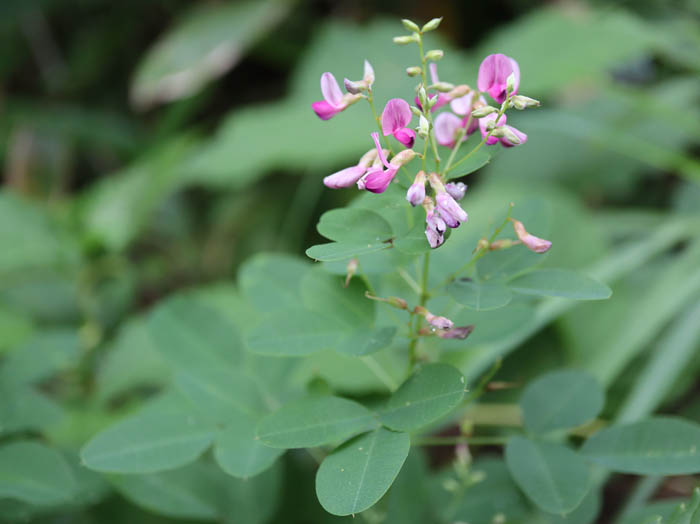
533,243
358,86
493,76
333,99
506,139
378,179
463,106
416,193
438,322
450,210
456,189
395,117
350,175
435,226
442,98
461,332
446,127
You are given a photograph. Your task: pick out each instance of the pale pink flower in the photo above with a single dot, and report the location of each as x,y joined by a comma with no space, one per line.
416,193
456,189
333,99
350,175
461,332
438,322
449,209
493,76
447,126
533,243
358,86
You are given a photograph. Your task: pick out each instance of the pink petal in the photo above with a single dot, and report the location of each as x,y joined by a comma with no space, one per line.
482,125
324,110
522,136
378,180
330,90
493,75
446,126
380,151
345,177
396,114
516,71
406,136
462,105
433,73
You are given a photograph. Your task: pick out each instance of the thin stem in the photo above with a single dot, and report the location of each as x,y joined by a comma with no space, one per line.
409,280
453,441
416,323
460,136
426,110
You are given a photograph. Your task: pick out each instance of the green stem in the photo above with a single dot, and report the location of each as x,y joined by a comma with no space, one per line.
453,441
460,136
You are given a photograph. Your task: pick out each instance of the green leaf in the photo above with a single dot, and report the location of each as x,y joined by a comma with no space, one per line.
33,473
205,43
656,446
481,296
314,421
356,475
560,283
24,409
560,400
366,341
343,250
354,225
473,163
414,242
296,332
270,281
238,450
430,393
164,435
553,476
324,293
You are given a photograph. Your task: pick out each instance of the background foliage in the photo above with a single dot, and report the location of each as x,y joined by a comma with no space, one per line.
162,179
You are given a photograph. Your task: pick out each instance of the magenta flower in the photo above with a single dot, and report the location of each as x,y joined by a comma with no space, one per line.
533,243
395,117
333,99
456,189
506,139
377,179
350,175
416,193
493,76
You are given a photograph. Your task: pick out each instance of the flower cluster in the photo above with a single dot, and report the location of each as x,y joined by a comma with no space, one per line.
498,78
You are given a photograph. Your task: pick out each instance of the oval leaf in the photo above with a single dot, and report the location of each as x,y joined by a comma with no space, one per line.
553,476
356,475
354,225
476,161
163,436
34,473
343,250
560,283
239,452
314,421
561,399
430,393
479,295
656,446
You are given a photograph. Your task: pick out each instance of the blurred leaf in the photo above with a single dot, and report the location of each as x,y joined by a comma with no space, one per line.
656,446
343,250
314,421
270,281
31,472
561,399
560,283
24,409
165,434
480,296
204,44
429,394
473,163
356,475
554,477
354,225
239,451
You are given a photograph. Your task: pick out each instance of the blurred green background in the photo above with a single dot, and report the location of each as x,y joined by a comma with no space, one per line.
151,147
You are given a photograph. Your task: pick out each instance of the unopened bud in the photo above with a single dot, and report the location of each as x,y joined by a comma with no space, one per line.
432,25
481,112
351,98
423,96
423,127
483,243
396,302
413,71
497,245
533,243
459,91
510,136
510,83
351,269
443,87
434,55
404,40
403,157
521,102
416,111
498,132
410,26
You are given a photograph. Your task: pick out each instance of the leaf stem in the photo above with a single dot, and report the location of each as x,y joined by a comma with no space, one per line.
453,441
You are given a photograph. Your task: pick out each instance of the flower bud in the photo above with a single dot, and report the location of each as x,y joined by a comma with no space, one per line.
481,112
413,71
459,91
410,26
434,55
503,243
443,87
423,127
404,40
432,25
483,243
416,193
456,189
498,132
521,102
396,302
510,83
416,111
351,269
423,96
461,332
510,136
403,157
533,243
